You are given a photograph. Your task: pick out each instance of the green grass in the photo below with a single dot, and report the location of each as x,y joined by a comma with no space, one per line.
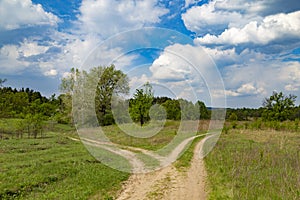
54,167
184,160
255,164
158,141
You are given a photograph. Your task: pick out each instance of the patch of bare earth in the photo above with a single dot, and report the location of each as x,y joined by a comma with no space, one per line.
168,183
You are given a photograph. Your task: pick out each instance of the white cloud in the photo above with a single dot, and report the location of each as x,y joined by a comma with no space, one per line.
15,58
10,60
170,66
256,79
273,27
111,17
51,72
291,72
291,76
216,16
249,75
18,13
190,2
28,48
137,81
187,69
249,88
291,87
86,52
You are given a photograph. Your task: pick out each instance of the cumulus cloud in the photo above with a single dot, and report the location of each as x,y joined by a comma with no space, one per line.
10,61
249,88
15,14
51,72
249,75
208,19
273,27
31,48
15,58
256,79
187,69
291,76
111,17
216,16
183,62
137,81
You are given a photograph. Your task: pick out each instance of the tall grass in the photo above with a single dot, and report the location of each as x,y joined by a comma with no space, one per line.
255,164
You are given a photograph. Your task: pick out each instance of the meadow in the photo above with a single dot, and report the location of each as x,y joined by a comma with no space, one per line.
261,161
252,160
54,167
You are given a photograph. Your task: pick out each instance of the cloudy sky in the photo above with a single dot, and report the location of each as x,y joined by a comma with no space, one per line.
253,47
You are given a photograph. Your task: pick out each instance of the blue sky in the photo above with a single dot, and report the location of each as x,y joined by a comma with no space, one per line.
253,47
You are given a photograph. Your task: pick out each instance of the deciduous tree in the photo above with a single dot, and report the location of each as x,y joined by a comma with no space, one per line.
278,107
141,104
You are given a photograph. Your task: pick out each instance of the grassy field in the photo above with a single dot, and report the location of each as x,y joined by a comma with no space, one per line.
250,161
54,167
255,164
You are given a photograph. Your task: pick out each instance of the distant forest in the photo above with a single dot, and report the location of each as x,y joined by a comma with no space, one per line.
35,108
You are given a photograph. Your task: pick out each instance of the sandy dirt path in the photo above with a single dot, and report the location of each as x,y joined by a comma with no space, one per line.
168,183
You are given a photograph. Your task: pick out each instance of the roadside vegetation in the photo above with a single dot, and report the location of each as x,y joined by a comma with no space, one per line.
259,163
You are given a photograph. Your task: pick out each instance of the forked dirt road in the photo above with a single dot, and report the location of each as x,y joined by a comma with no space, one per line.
168,183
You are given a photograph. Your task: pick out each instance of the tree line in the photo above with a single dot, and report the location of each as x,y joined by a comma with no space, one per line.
111,83
277,107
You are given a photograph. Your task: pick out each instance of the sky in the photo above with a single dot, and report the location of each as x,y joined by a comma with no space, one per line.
207,50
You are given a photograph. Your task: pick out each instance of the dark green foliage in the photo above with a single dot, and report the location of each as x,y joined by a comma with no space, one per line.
173,109
204,113
19,103
111,82
233,117
244,113
278,107
141,103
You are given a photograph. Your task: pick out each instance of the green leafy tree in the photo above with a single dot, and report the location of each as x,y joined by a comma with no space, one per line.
233,117
189,111
204,113
278,107
110,82
173,109
141,104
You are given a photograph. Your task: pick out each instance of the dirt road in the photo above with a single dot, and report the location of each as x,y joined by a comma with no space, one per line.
168,183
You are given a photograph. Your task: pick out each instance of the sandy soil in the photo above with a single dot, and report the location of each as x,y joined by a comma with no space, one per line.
168,183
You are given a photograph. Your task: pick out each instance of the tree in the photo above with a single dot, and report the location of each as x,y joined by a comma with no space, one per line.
189,111
111,82
233,117
107,81
204,114
278,107
173,109
141,103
